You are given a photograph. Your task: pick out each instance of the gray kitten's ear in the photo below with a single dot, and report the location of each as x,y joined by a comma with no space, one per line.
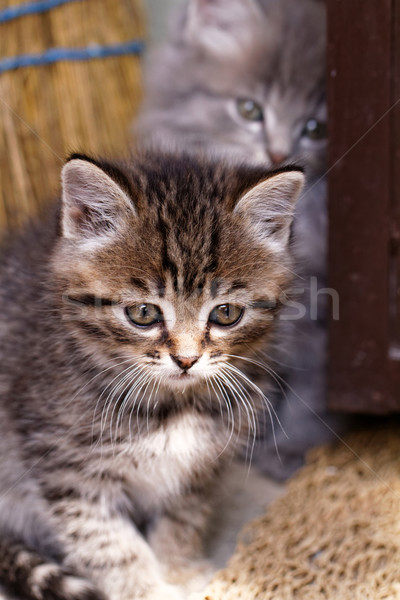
222,26
94,206
268,208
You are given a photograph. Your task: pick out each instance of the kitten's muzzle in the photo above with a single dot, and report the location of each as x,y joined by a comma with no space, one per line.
277,157
185,362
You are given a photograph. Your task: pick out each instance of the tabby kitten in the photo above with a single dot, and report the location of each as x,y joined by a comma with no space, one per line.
131,323
246,78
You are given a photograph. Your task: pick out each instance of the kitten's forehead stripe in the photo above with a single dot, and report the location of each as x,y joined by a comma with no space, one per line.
140,284
167,263
214,288
266,304
188,222
160,284
236,285
89,300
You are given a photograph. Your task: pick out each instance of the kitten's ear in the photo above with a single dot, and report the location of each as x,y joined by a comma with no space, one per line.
94,206
222,26
268,207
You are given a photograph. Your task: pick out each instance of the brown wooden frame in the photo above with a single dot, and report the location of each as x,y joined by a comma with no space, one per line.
364,203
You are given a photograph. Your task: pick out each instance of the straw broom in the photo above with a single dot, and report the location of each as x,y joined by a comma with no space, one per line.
48,110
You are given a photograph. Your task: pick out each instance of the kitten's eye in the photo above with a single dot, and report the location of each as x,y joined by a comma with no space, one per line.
314,130
225,314
249,109
144,315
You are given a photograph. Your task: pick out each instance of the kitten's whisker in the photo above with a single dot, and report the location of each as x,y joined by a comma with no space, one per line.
131,385
150,379
159,379
278,362
81,389
252,385
145,378
274,376
211,402
230,412
141,392
220,376
254,417
148,404
209,396
109,385
219,401
124,375
248,400
238,388
124,404
232,389
257,363
226,398
268,404
127,380
135,390
279,380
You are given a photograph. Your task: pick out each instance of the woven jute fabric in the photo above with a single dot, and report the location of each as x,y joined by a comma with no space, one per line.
49,111
335,534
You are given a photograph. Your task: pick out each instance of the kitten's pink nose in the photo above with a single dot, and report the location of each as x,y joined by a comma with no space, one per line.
277,157
185,362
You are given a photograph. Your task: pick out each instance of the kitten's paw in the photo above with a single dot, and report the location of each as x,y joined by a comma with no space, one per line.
51,581
75,588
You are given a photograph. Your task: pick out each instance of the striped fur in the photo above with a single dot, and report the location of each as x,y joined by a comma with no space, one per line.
111,444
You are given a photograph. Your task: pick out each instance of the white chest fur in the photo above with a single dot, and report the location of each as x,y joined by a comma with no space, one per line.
166,459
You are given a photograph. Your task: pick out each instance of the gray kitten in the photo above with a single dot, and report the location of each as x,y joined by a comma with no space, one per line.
247,78
130,324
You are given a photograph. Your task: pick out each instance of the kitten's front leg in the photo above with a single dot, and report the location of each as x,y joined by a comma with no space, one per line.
177,539
106,548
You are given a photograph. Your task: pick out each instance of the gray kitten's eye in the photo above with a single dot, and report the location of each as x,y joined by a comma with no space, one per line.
249,109
144,315
314,130
225,315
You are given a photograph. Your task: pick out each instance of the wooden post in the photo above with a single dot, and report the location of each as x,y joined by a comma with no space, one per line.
364,203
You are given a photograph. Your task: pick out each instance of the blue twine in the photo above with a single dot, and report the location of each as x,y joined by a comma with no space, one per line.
30,8
57,54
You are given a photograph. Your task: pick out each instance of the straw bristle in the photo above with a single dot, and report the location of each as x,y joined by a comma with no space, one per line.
47,111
